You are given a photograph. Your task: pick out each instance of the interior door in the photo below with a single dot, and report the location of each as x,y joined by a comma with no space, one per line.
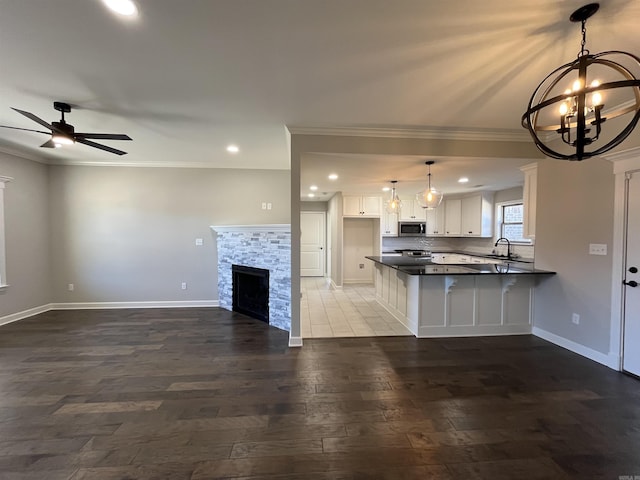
312,238
631,359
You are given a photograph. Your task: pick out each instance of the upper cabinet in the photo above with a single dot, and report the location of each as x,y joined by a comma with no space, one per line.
361,206
452,216
470,216
389,224
435,221
529,197
477,215
411,211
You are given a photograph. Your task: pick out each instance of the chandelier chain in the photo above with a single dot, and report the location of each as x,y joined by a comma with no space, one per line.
583,51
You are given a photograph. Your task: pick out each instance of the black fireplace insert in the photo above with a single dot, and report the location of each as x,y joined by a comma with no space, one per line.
251,291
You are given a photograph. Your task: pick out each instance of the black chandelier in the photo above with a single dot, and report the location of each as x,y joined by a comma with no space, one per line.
566,113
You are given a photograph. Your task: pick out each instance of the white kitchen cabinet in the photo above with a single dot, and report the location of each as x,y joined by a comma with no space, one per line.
529,196
411,210
389,224
435,221
453,216
361,206
476,215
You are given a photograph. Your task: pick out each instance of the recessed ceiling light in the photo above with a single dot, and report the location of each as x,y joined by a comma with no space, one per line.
122,7
311,195
233,149
463,180
313,188
385,189
333,176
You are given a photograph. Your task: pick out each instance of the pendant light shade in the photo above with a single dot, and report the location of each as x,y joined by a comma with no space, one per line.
393,204
567,112
429,198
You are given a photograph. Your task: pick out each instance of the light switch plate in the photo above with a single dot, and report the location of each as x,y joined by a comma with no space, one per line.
597,249
199,242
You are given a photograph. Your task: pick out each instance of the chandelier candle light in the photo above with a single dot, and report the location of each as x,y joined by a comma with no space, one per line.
566,113
429,198
393,204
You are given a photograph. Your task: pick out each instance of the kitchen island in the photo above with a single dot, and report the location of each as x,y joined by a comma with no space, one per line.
448,300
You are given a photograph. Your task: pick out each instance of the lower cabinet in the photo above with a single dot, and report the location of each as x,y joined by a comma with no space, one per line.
457,305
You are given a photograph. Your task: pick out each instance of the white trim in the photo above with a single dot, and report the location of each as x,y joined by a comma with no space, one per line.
472,330
623,162
3,258
14,317
419,133
116,305
611,360
295,341
276,227
334,285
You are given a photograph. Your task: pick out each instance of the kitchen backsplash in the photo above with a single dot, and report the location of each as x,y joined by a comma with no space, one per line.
462,244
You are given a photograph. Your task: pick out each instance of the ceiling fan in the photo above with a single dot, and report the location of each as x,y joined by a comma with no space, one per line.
63,133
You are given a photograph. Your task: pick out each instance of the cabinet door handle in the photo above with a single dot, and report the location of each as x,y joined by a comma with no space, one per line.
631,283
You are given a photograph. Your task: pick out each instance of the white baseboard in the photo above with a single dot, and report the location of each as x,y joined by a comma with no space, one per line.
611,360
14,317
114,305
334,286
473,331
295,341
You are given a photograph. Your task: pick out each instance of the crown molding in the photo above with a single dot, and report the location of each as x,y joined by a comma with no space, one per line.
427,133
21,154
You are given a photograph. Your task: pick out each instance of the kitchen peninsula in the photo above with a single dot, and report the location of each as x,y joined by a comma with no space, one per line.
448,300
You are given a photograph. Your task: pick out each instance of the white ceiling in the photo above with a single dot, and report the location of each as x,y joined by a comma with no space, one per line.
188,77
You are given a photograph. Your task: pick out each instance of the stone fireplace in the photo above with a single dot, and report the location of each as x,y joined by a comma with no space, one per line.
266,247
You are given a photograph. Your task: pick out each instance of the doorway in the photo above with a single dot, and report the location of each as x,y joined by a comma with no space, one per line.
631,324
312,244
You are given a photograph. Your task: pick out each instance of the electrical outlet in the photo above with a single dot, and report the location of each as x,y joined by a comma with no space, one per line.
264,205
71,287
184,285
269,206
199,242
361,266
575,318
597,249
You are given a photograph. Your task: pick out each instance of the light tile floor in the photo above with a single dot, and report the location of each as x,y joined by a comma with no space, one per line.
348,312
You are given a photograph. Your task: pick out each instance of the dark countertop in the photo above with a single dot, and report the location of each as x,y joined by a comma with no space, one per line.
473,254
423,266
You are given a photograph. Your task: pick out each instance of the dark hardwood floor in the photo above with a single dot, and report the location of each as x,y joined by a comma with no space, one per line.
208,394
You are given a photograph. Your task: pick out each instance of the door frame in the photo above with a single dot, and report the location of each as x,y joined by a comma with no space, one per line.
623,163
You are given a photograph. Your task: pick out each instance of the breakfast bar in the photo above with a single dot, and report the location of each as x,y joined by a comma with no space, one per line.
450,300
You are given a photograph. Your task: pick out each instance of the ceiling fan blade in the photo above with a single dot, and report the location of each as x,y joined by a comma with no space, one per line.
100,146
48,144
25,129
34,118
104,136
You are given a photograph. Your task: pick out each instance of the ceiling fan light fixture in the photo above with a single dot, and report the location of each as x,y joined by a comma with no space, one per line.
429,198
59,140
567,112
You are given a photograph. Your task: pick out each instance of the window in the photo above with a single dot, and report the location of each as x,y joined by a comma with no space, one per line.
510,218
3,264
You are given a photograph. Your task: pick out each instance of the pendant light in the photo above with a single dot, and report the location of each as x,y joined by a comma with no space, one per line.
567,112
393,204
429,198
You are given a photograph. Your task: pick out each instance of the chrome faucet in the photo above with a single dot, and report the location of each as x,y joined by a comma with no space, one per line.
508,246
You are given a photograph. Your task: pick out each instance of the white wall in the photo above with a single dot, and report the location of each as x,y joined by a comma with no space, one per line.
575,208
27,235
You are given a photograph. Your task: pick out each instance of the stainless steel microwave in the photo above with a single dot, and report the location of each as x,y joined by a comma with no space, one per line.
411,229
